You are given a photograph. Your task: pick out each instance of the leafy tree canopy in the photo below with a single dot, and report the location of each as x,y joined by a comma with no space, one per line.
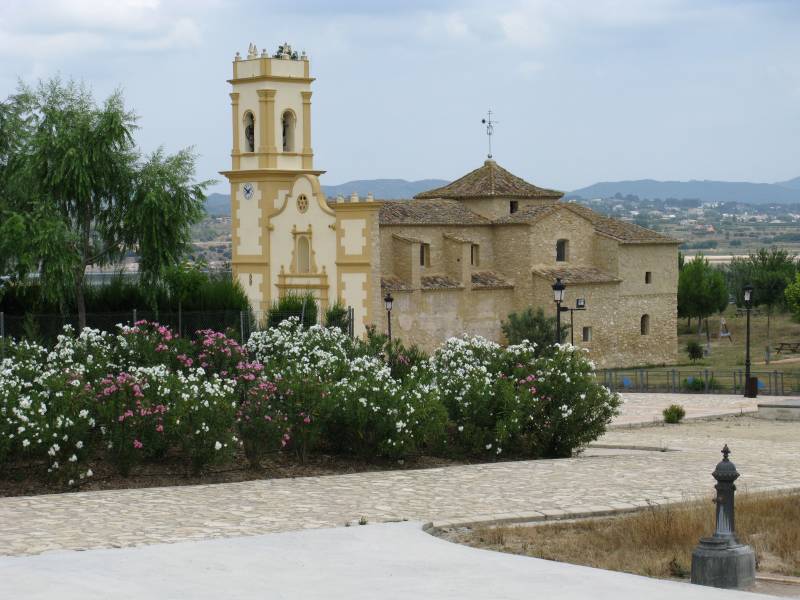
702,290
75,192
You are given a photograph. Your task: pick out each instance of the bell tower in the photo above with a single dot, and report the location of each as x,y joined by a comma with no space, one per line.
271,127
271,110
287,238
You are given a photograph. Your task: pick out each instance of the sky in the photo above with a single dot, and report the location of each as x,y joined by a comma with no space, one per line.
582,90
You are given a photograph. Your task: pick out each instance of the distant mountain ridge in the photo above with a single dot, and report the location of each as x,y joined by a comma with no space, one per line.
793,184
786,192
382,189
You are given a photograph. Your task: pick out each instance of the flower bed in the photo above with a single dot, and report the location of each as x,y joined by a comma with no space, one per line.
145,394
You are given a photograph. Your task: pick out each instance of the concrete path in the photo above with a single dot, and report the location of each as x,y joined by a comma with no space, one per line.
375,561
766,453
642,409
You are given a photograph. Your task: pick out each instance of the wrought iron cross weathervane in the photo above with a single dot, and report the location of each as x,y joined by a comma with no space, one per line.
489,129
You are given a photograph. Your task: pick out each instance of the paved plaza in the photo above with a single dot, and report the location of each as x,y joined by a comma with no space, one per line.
613,478
387,561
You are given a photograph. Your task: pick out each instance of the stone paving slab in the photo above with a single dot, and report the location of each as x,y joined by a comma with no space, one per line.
764,451
388,561
645,409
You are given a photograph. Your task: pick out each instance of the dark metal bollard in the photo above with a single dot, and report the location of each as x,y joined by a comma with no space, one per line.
720,560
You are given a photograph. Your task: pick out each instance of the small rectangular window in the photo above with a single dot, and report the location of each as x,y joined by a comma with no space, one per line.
513,206
473,255
587,334
562,250
648,277
424,255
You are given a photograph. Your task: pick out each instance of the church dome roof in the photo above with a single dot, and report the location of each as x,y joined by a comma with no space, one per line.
490,181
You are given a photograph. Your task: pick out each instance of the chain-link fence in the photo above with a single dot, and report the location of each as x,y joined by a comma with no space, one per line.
45,328
702,381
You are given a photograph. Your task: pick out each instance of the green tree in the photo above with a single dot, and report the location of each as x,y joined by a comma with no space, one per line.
75,192
770,271
535,327
702,291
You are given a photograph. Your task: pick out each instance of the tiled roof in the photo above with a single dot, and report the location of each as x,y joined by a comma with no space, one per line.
458,238
487,280
395,284
622,231
528,214
407,238
575,274
490,181
625,232
428,212
438,282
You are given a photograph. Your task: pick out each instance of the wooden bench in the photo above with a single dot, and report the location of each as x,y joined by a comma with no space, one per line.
788,346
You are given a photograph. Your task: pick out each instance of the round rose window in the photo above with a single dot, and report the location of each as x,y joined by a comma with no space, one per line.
302,203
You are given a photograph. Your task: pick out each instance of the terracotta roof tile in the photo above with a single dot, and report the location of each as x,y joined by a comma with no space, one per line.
575,274
625,232
529,214
428,212
490,181
407,238
487,280
438,282
395,284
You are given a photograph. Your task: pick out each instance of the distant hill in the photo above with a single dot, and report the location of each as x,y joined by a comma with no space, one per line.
218,204
793,184
706,190
382,189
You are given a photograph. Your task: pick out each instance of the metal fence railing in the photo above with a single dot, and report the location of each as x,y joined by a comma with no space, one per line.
702,381
45,328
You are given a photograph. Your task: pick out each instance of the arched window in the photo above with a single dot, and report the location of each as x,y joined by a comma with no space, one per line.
288,122
645,324
249,132
562,250
303,255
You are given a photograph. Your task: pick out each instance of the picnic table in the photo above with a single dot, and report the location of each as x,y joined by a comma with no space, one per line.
788,346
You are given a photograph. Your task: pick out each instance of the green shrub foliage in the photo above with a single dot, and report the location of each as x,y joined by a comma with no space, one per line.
694,350
535,327
144,393
674,413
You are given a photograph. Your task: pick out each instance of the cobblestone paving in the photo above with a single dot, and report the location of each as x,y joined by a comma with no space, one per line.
765,452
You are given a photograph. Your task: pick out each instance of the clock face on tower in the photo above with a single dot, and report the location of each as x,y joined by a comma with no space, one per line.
247,190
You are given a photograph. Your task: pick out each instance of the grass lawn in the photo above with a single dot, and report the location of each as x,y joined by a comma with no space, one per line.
656,542
727,354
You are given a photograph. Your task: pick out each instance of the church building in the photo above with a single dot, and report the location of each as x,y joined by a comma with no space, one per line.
456,259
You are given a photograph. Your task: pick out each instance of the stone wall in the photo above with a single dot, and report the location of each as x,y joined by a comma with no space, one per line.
428,317
615,322
614,309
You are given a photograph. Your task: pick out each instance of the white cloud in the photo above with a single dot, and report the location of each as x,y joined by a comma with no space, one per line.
55,29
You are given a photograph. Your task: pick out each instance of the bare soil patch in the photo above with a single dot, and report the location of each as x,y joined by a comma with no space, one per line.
30,479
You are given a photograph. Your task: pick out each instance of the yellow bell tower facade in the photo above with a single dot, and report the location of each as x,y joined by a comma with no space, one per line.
286,237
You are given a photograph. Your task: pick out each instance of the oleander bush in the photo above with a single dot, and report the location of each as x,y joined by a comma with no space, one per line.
146,393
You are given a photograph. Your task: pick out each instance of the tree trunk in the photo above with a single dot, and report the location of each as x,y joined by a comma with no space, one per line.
80,301
699,325
708,339
769,316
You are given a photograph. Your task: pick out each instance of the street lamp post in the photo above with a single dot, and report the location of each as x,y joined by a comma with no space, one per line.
388,301
749,389
580,304
558,296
